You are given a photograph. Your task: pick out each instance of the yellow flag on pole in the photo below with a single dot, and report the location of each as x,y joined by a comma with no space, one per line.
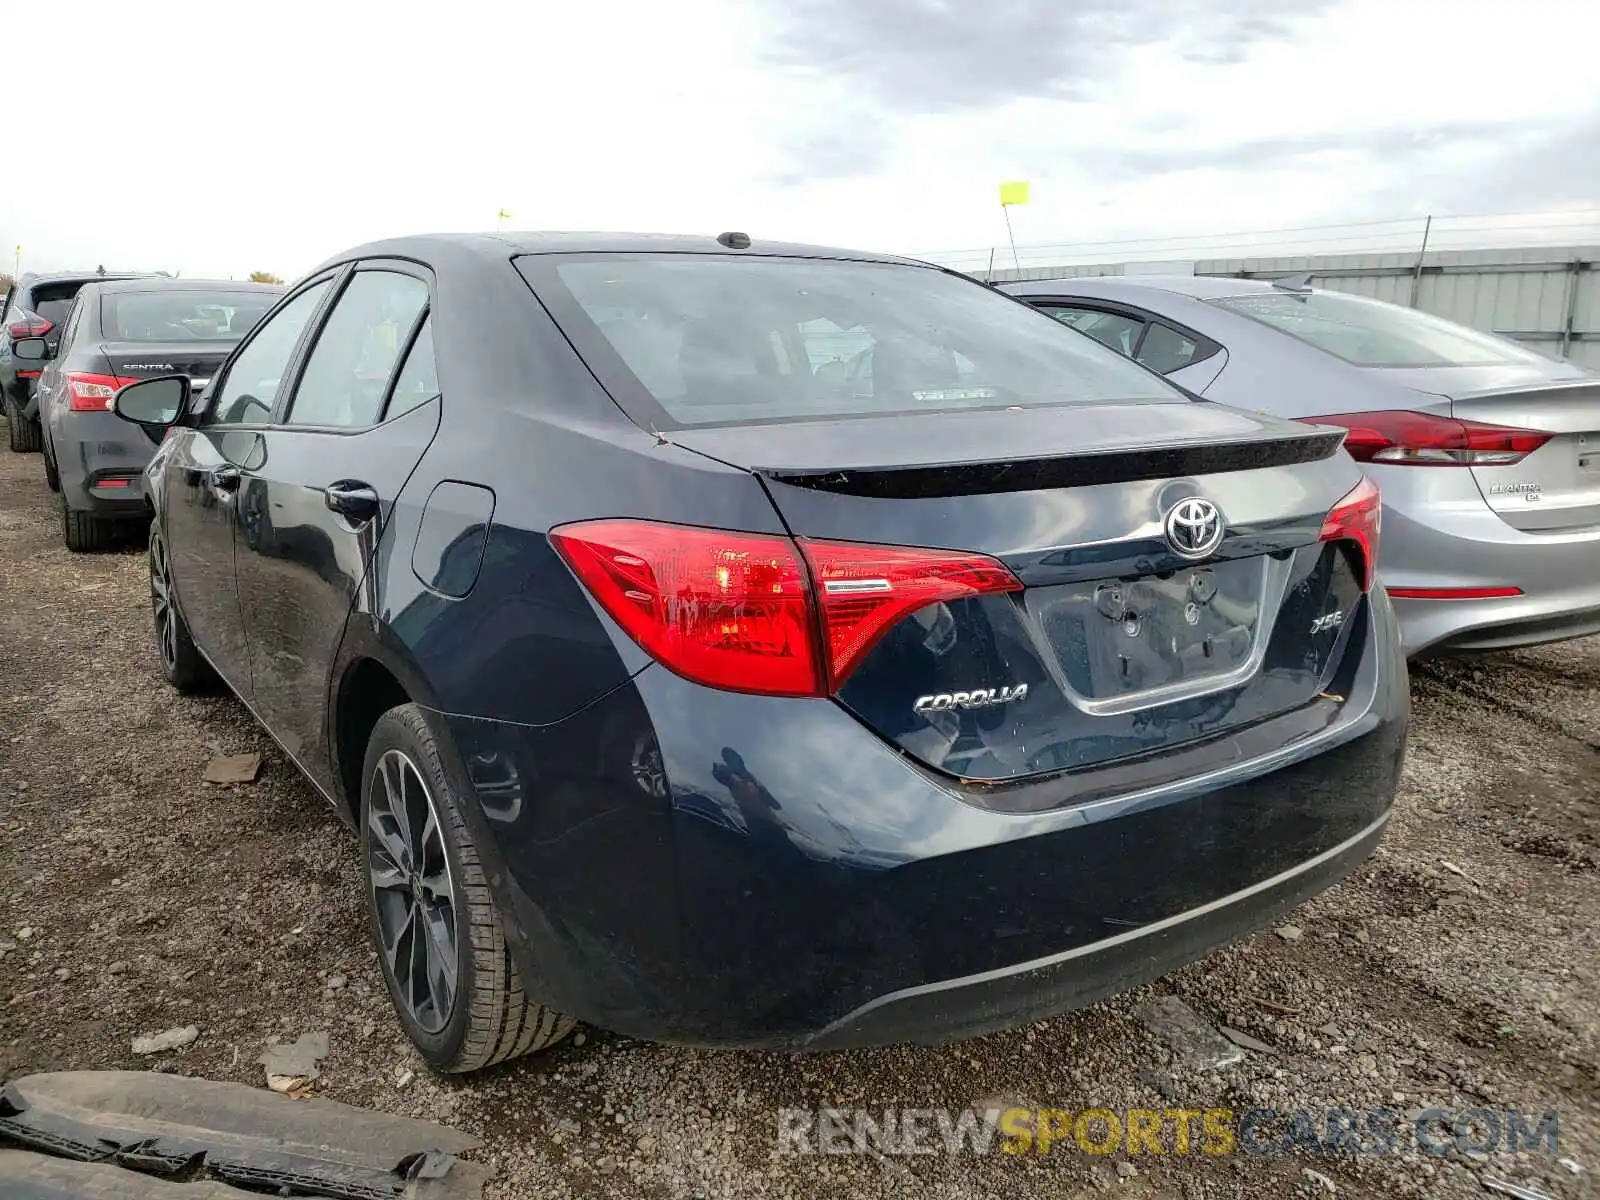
1015,192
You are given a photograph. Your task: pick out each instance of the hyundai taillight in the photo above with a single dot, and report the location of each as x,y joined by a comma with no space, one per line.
750,612
31,325
89,392
1418,439
1355,519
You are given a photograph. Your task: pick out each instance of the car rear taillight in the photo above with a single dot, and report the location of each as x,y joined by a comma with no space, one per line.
751,612
1356,519
866,590
89,392
31,325
1418,439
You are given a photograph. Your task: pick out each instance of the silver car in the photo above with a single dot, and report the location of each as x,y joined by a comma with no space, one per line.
1487,454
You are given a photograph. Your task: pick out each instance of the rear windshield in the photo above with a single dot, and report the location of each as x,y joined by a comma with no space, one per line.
1370,333
53,301
181,316
711,339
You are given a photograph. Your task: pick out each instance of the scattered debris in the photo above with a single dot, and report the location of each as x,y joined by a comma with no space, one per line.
404,1077
1272,1006
172,1039
125,1133
1514,1190
6,947
24,933
1244,1041
1321,1180
1455,870
292,1067
1126,1170
1570,1164
1290,933
233,768
1175,1023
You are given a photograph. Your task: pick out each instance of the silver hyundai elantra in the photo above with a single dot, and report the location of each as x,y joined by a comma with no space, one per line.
1487,453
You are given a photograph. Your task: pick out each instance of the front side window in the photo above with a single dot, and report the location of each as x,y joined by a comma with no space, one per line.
1370,333
248,394
681,339
357,351
184,315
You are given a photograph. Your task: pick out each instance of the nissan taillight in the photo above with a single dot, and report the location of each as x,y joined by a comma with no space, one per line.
1355,519
89,392
1417,439
751,612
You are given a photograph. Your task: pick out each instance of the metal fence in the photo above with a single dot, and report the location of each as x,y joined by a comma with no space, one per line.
1542,290
1547,297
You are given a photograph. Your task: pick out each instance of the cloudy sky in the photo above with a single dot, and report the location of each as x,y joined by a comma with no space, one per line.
174,137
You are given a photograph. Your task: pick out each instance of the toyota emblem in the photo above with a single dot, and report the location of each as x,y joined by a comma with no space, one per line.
1193,528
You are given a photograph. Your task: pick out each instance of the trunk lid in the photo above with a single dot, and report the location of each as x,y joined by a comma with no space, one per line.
1557,487
147,360
1117,645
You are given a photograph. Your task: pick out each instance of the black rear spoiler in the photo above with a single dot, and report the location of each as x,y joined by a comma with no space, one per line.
1062,471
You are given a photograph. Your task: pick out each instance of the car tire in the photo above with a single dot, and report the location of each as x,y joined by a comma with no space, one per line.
433,910
182,664
25,434
86,533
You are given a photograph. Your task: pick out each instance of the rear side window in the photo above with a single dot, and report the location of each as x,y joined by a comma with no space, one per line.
1370,333
356,353
1117,330
418,381
682,339
1165,349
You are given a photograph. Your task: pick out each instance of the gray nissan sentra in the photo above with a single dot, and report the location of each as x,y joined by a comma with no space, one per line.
1487,453
118,332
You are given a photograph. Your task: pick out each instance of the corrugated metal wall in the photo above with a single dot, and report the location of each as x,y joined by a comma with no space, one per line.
1547,297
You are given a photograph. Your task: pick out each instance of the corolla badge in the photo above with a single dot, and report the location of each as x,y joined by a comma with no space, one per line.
1193,528
976,698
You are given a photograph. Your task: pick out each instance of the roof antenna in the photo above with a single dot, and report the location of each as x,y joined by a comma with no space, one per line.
735,241
1294,283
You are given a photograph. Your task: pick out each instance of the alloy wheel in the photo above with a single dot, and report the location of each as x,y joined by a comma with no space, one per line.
161,604
413,893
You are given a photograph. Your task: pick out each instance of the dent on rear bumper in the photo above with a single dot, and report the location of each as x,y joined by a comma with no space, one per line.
693,866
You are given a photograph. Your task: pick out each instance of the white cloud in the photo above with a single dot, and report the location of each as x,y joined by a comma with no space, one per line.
196,137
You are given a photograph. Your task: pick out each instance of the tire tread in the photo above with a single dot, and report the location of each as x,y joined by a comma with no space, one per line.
503,1022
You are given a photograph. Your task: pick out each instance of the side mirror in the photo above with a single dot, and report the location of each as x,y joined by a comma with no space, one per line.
153,401
30,349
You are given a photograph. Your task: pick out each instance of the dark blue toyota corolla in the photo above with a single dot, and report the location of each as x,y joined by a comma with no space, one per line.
759,645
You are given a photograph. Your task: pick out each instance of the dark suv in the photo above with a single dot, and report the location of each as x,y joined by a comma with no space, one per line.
37,307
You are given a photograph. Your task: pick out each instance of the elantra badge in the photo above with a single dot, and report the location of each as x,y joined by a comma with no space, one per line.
1193,528
977,698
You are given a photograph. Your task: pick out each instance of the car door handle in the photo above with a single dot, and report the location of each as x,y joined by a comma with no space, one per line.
224,481
351,498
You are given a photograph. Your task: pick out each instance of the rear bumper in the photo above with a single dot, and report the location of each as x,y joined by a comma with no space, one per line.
90,448
685,865
954,1009
1438,533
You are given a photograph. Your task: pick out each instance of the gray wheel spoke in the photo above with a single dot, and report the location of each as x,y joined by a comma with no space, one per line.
413,893
438,924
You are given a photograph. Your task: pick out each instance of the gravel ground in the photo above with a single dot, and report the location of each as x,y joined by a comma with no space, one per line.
1458,968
